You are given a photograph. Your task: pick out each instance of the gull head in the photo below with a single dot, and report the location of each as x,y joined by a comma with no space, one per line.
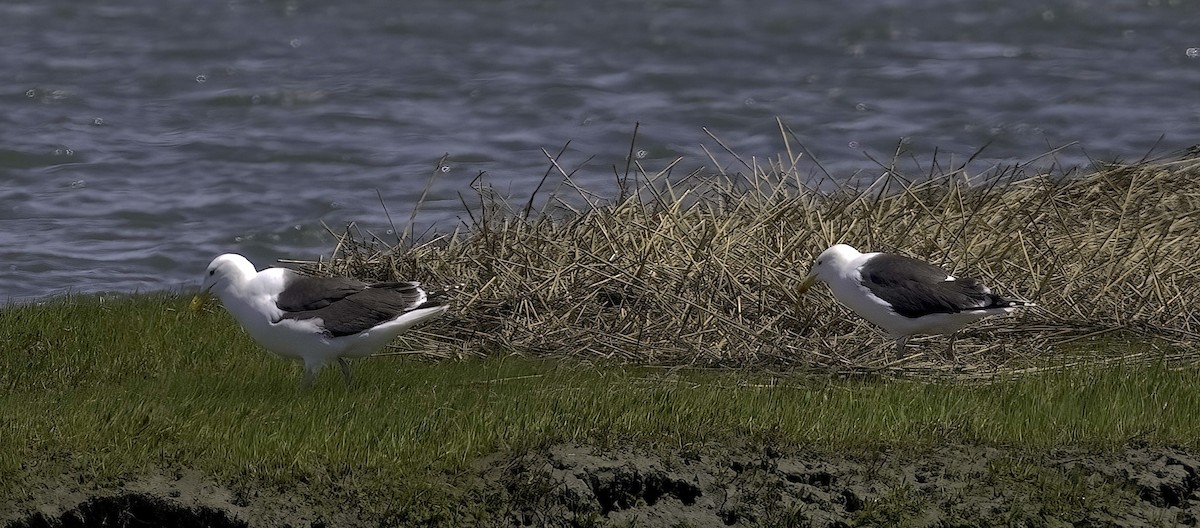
223,273
828,264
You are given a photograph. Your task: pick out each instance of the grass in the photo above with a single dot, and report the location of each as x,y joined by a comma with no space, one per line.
701,268
108,387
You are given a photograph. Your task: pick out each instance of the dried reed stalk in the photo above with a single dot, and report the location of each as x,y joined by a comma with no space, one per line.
702,270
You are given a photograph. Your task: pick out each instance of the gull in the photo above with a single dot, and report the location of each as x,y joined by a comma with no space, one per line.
903,295
315,320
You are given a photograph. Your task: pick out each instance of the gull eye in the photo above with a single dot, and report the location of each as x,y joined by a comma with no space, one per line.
212,272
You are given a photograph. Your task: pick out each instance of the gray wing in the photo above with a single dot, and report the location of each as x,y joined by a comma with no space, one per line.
347,306
302,293
915,288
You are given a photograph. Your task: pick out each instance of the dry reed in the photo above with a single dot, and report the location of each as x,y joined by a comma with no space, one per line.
702,269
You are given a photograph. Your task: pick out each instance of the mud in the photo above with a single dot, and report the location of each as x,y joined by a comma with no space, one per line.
175,497
131,509
707,487
947,487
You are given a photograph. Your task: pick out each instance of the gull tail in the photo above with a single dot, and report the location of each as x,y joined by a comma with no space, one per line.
998,304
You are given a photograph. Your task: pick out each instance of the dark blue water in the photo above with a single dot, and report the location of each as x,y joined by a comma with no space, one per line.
140,138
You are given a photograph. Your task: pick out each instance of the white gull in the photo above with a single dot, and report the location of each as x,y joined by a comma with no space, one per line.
315,320
905,296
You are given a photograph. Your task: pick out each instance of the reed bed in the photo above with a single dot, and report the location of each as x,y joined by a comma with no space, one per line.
700,269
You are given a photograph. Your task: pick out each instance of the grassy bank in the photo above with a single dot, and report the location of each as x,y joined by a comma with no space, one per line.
663,319
107,388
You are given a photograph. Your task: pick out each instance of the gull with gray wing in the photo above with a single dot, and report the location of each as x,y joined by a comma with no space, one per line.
315,320
903,295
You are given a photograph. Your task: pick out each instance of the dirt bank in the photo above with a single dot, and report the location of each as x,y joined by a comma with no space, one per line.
946,487
711,486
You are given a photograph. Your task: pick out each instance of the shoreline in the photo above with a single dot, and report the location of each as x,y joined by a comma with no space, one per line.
602,366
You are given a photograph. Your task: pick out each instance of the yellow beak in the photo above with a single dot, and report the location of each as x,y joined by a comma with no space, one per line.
198,301
809,280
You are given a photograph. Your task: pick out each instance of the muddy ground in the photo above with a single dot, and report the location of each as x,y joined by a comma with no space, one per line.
712,486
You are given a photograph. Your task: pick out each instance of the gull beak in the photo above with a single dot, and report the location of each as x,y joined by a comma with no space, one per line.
199,299
809,280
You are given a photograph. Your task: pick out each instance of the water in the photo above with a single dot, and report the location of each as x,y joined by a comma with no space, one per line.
140,138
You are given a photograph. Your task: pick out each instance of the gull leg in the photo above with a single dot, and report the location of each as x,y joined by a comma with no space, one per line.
900,343
310,375
950,349
345,370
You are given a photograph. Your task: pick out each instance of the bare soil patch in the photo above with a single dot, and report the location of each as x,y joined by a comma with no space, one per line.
951,486
699,487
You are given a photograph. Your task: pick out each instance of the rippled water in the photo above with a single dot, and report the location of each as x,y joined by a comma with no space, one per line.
142,137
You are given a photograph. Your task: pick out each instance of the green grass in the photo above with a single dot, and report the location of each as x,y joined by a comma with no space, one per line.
109,388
